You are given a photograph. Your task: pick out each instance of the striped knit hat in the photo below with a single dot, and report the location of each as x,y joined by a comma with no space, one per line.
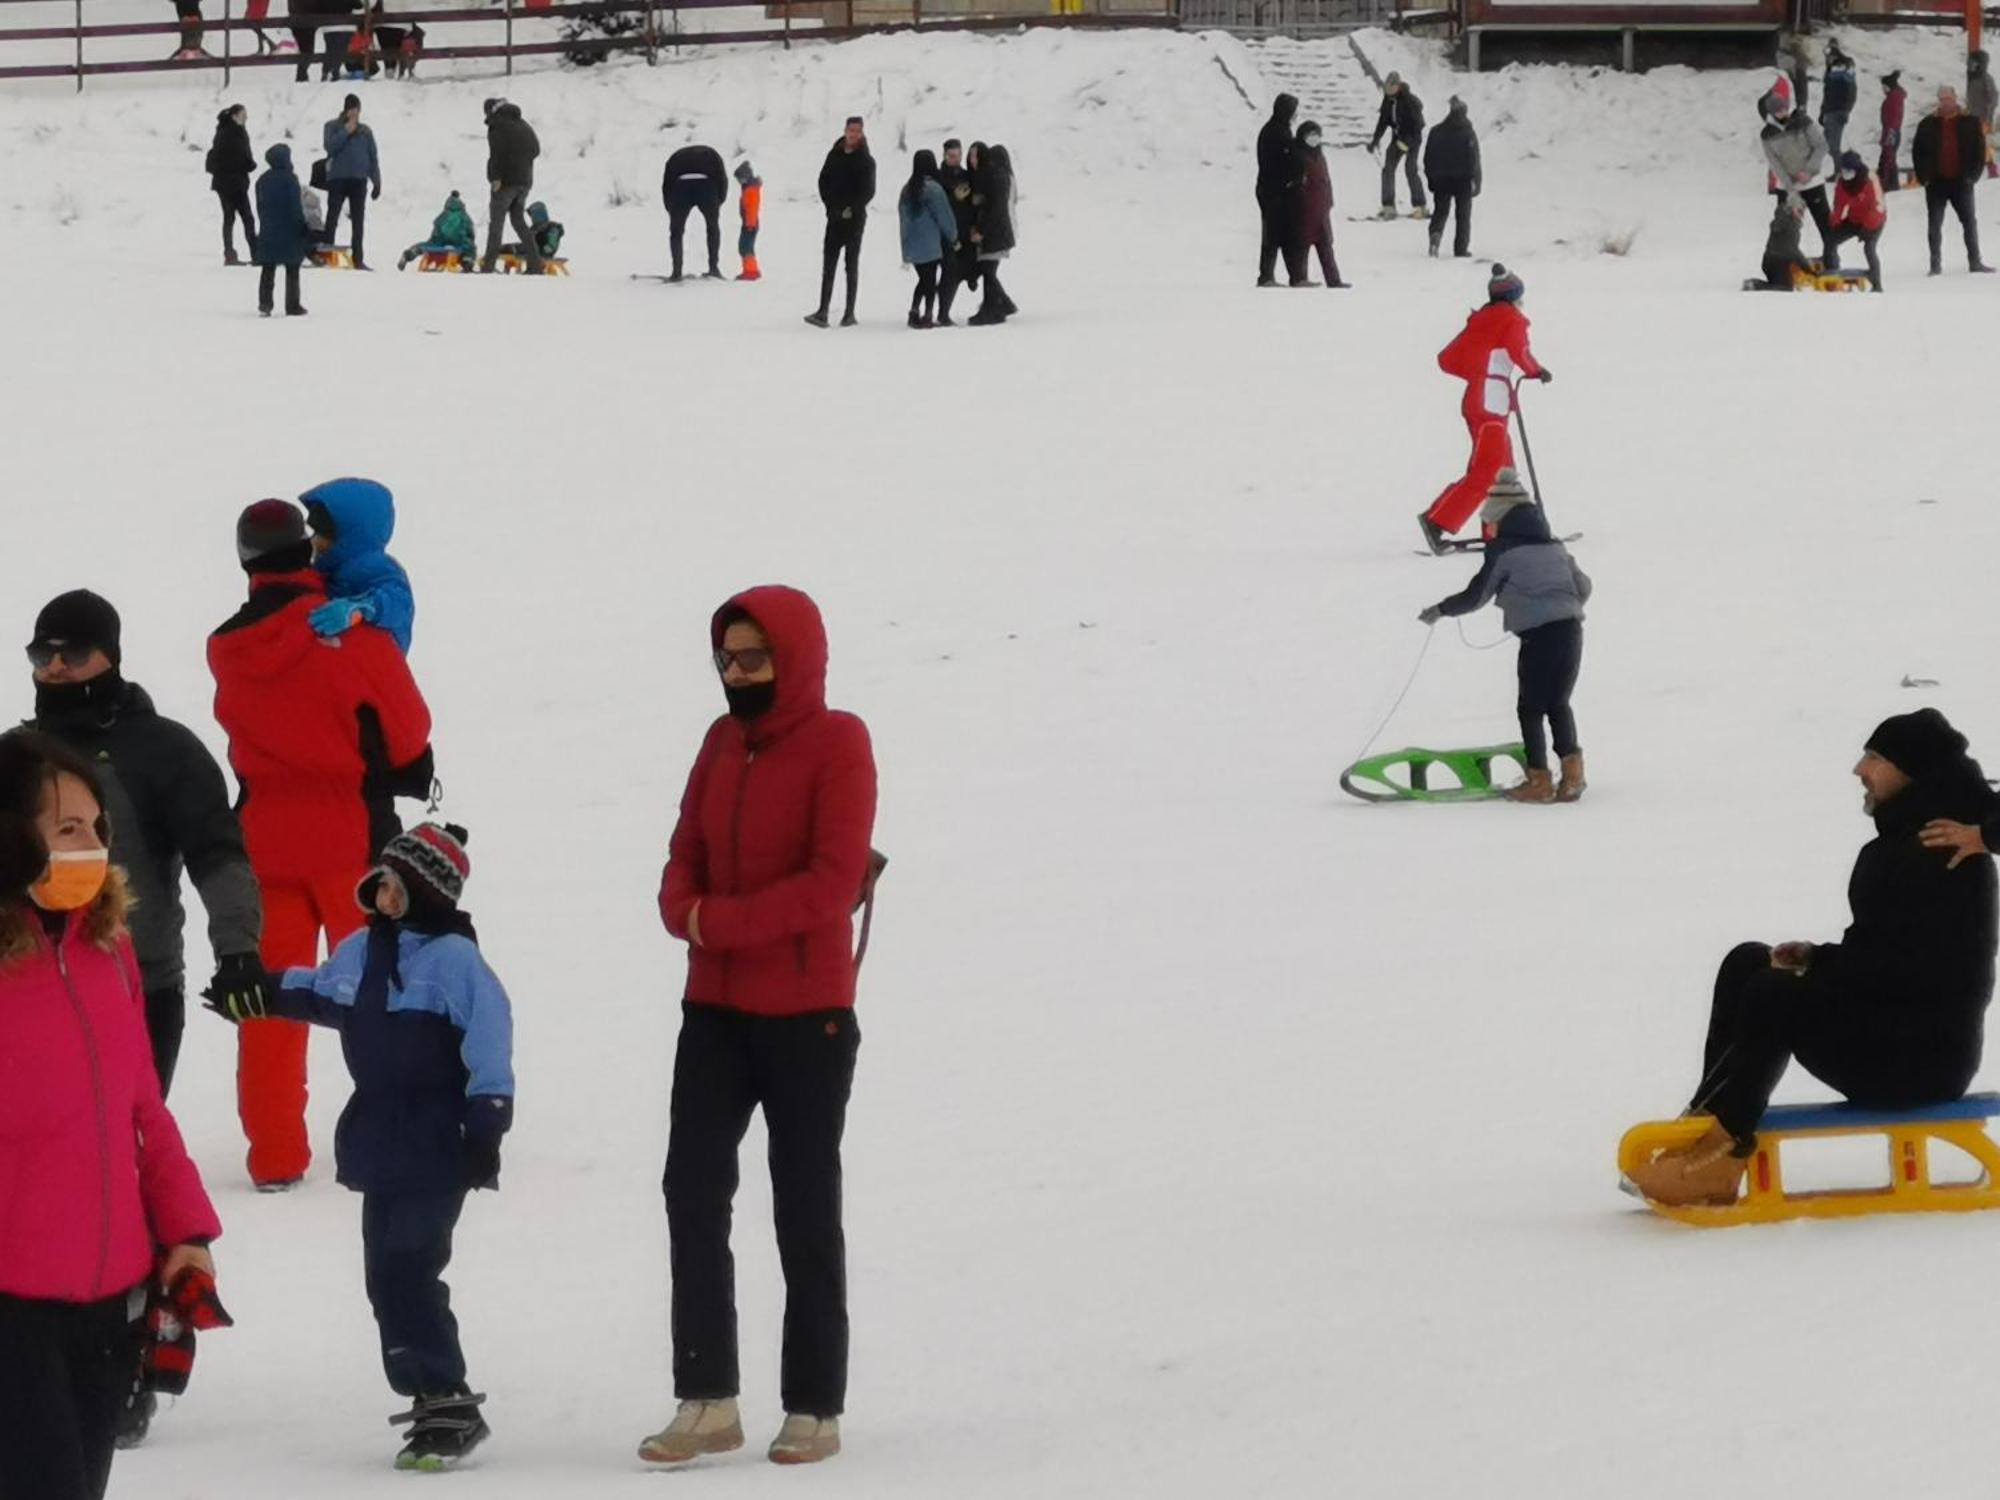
430,860
1507,492
1505,286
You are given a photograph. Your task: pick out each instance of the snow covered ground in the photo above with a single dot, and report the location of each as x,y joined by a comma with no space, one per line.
1214,1135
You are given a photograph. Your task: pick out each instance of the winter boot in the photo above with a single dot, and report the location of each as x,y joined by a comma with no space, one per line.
698,1427
231,258
1434,537
1709,1173
1537,788
1572,785
805,1440
817,319
1388,211
1436,240
443,1430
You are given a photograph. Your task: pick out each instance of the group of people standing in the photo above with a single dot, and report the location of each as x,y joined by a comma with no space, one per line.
104,1222
1294,199
956,218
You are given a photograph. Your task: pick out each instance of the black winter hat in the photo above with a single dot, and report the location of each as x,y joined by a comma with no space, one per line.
353,101
1919,744
271,538
1893,80
79,618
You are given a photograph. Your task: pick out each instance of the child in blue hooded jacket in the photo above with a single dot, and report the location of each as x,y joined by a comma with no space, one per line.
428,1035
352,521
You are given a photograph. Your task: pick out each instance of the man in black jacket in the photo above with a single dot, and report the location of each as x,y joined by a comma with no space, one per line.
846,187
961,266
1949,153
1451,162
1892,1015
695,179
1402,120
168,806
511,149
1277,176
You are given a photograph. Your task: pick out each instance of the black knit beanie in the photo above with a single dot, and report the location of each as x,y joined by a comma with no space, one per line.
1919,744
80,618
271,538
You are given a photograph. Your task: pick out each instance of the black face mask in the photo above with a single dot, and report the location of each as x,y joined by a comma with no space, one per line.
752,700
58,701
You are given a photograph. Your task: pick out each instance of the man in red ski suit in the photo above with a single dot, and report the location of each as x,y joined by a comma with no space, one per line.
1490,355
323,735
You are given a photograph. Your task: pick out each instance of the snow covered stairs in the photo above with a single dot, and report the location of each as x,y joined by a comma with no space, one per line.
1326,78
1908,1135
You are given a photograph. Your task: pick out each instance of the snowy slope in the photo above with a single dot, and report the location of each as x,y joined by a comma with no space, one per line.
1214,1135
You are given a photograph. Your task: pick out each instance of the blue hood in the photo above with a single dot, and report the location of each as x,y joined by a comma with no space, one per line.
364,519
279,156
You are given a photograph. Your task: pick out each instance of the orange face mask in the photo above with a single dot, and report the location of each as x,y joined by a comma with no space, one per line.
73,880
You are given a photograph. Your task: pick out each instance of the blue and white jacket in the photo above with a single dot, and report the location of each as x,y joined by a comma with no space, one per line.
428,1035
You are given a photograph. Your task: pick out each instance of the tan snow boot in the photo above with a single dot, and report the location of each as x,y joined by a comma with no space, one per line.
698,1427
1537,788
1572,785
805,1440
1708,1173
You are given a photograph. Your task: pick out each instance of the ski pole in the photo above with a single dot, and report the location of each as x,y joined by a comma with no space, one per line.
1527,449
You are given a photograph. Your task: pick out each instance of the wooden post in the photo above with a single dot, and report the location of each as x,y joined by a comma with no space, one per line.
79,46
917,13
510,38
1974,18
228,9
788,25
652,37
1628,63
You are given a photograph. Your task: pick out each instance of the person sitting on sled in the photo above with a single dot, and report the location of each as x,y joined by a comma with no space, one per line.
1541,593
451,234
1782,255
1892,1015
1491,356
548,233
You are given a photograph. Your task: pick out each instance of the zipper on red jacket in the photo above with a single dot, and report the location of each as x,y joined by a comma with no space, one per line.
736,849
103,1126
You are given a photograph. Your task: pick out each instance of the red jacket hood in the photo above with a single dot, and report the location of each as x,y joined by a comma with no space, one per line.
266,638
792,624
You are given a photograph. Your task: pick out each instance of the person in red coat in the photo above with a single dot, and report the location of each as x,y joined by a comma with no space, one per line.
98,1199
1859,212
1893,99
1491,356
323,735
764,870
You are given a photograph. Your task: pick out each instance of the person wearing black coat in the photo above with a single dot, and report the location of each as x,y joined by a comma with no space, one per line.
1949,153
229,166
1401,119
1277,187
695,179
168,806
1892,1015
961,266
1451,162
846,187
993,231
307,18
511,149
283,242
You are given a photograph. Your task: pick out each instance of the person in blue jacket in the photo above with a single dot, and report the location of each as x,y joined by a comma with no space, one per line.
352,165
930,228
283,242
428,1035
352,521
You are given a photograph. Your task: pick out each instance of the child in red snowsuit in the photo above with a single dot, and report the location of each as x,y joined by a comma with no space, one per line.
1491,356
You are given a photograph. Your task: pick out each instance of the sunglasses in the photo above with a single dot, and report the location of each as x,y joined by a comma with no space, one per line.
753,659
41,655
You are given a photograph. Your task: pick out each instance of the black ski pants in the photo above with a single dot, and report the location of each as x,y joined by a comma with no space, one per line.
267,279
1550,657
683,198
1400,155
1273,209
843,238
405,1247
1958,196
1452,198
1761,1018
352,191
236,205
801,1070
65,1372
166,1019
1869,238
923,301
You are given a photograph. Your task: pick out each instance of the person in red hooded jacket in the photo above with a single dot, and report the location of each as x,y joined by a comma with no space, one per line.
1490,355
324,734
98,1199
764,870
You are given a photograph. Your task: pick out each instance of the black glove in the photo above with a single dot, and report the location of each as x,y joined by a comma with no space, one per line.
486,1121
241,990
377,193
1429,615
1546,376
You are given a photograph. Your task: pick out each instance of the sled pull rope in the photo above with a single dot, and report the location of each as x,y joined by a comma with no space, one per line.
1422,651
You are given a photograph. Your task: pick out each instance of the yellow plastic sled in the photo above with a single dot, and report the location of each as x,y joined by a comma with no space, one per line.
332,258
1906,1134
515,265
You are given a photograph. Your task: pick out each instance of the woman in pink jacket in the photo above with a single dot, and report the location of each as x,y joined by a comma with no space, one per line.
97,1195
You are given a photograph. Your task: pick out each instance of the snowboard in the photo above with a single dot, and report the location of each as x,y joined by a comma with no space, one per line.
1469,773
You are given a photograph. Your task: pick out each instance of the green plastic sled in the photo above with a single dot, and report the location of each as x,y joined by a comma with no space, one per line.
1470,772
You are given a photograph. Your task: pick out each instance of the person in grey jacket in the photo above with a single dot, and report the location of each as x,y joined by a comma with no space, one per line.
1795,148
352,167
1541,593
1982,97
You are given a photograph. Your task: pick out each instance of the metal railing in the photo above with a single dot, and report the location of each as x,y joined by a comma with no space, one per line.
659,28
1297,18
